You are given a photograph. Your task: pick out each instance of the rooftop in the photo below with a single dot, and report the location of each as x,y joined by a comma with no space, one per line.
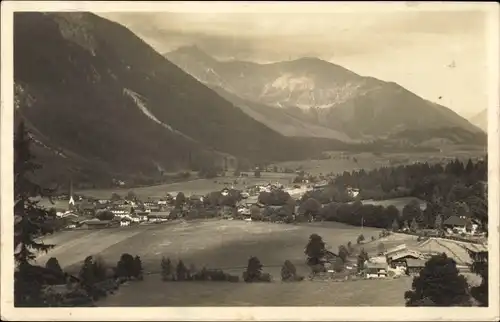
455,221
410,262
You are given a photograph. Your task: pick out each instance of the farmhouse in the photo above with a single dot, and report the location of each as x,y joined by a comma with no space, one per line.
196,198
320,185
399,259
119,212
159,216
96,224
376,270
352,192
124,222
414,266
458,250
456,224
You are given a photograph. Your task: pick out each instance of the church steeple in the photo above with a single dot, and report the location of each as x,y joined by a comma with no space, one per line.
71,200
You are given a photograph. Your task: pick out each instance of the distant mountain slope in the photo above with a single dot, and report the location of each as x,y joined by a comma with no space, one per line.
321,94
280,120
481,120
92,89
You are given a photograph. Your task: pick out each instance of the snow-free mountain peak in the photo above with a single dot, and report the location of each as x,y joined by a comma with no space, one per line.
324,94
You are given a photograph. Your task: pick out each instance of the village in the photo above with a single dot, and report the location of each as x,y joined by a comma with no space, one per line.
460,238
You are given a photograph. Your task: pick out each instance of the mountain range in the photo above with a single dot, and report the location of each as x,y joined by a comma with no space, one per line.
101,103
313,97
94,93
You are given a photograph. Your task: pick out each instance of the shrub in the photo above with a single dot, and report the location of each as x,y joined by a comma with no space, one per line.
181,271
360,239
343,253
289,272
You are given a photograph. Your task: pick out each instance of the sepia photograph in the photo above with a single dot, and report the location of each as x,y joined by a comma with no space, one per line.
249,160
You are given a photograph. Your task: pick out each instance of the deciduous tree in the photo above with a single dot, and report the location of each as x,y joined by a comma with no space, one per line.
315,249
440,282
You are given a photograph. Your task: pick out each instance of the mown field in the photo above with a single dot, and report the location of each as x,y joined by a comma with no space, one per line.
226,245
194,187
213,243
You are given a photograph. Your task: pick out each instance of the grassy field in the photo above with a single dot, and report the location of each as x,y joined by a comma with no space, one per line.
198,186
204,242
154,292
338,164
226,245
368,161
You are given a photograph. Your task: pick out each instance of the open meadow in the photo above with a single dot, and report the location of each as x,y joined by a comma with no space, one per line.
339,163
226,245
194,187
347,161
201,242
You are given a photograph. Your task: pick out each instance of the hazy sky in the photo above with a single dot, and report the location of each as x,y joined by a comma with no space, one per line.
432,53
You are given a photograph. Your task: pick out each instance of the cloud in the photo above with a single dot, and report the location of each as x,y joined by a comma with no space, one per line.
276,36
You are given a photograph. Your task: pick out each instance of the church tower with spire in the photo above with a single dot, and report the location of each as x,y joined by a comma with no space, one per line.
71,202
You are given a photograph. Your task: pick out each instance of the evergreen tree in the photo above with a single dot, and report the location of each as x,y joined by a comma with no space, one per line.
87,273
253,272
100,268
166,269
288,272
469,168
180,200
480,267
440,282
53,265
181,271
138,271
125,266
362,258
29,221
343,253
315,249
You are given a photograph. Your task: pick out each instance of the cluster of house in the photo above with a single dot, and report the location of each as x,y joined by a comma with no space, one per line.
125,212
404,259
153,210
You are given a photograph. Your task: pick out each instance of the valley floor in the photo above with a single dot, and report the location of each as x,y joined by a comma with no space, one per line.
154,292
227,245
